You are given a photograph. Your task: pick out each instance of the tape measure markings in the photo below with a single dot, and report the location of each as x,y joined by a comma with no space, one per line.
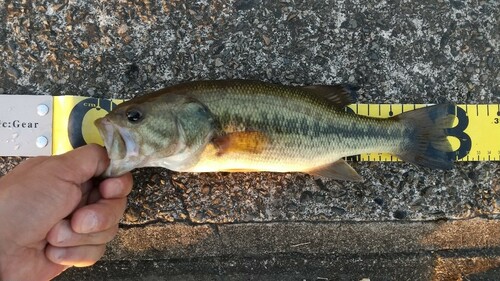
475,134
467,130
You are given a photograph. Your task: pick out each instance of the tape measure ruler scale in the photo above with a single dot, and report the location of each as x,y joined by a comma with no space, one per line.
47,125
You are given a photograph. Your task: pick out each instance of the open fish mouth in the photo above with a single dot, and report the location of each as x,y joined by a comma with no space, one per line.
113,140
121,147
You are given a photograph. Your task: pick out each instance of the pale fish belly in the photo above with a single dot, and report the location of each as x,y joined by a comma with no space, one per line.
244,162
293,155
247,162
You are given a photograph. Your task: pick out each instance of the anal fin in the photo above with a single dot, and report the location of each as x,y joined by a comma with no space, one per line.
338,170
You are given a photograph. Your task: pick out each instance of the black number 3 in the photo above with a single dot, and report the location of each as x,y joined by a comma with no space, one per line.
458,132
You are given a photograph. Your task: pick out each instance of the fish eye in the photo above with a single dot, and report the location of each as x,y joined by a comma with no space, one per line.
134,115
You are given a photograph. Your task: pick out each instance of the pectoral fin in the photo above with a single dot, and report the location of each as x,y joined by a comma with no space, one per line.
338,170
243,142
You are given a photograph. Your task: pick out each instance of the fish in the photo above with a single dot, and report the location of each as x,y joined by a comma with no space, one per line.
254,126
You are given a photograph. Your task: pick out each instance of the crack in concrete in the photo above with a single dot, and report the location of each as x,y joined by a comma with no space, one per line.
180,187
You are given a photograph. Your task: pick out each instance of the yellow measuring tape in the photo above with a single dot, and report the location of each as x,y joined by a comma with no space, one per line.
475,135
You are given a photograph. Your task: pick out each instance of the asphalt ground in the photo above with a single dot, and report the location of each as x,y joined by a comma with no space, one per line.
268,226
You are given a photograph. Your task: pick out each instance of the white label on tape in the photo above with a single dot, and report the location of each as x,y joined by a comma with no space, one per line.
25,125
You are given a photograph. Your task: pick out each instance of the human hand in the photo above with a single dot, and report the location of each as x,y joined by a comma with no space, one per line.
53,215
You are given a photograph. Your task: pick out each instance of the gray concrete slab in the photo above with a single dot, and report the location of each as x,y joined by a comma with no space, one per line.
417,51
445,250
181,241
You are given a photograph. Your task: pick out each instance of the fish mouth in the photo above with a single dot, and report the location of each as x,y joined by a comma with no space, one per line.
120,145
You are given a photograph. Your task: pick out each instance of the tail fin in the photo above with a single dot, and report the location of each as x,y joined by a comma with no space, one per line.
427,144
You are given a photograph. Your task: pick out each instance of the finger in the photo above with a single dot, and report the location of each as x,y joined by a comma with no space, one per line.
62,235
99,216
81,164
75,256
112,188
116,187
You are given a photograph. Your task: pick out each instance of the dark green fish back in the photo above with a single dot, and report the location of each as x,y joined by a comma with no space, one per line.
299,122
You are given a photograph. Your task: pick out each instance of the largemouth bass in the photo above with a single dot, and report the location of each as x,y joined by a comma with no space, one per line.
239,125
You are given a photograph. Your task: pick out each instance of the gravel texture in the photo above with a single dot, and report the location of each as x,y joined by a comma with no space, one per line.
396,51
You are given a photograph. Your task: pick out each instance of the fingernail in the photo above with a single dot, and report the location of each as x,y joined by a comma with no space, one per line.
114,187
89,223
58,253
63,235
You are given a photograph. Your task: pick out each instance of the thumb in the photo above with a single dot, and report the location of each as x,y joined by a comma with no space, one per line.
48,189
59,182
82,164
74,171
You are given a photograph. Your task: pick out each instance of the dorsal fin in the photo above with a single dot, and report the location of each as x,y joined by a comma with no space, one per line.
340,95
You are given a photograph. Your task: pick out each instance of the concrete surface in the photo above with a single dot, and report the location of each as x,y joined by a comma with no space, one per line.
243,226
445,250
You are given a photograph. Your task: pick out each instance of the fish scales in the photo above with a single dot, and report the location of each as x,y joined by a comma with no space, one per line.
239,125
303,130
